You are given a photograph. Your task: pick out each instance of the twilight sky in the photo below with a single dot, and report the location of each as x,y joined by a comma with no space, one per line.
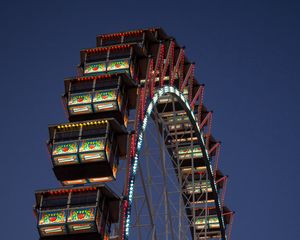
246,53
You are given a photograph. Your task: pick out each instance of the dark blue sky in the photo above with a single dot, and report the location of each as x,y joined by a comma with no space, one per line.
247,54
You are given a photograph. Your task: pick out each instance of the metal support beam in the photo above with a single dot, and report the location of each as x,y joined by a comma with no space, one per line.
187,76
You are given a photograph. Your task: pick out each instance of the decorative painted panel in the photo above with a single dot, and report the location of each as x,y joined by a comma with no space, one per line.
64,148
80,99
91,145
95,68
107,95
84,214
118,65
53,217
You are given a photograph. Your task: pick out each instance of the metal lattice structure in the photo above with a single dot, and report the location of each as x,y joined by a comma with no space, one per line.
138,124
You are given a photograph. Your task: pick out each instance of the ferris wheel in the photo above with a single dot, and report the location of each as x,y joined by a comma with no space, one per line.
137,159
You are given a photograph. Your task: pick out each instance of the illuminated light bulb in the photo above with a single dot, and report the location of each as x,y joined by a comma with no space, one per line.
140,136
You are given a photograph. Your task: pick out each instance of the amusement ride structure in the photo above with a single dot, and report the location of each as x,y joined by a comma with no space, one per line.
137,159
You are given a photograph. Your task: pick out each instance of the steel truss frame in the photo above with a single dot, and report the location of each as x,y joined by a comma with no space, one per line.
165,70
194,131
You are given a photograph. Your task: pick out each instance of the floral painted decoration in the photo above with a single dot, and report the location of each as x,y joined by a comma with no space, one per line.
116,65
91,145
80,99
52,217
94,68
64,148
85,214
107,95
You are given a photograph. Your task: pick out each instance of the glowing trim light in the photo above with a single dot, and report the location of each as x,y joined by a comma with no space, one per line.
101,179
73,182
